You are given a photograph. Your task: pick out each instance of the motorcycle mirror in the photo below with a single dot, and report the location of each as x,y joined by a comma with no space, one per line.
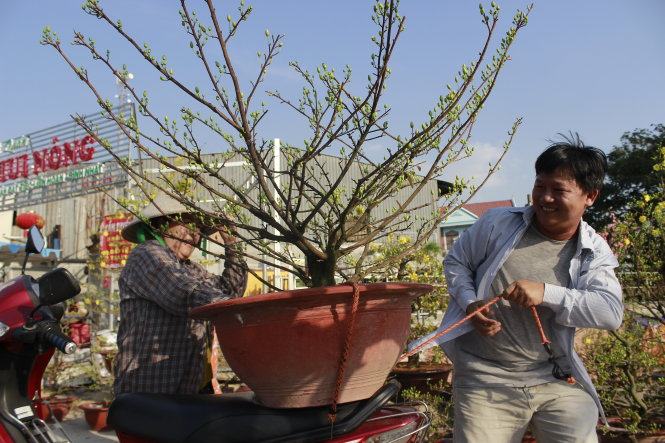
33,245
35,242
57,286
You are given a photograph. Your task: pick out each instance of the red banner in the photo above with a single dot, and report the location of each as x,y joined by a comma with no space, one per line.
112,247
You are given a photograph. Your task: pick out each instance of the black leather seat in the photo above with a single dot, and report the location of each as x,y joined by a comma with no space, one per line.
234,418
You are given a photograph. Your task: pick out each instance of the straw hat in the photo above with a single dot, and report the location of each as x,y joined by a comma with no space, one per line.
163,206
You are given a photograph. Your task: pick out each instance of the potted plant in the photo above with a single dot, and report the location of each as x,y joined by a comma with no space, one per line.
96,414
50,407
431,371
296,208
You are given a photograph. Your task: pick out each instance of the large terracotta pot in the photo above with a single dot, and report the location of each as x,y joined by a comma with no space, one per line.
287,346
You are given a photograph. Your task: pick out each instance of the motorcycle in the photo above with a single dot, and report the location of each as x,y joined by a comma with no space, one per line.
30,313
237,417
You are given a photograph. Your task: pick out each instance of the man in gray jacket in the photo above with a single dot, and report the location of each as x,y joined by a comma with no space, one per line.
543,256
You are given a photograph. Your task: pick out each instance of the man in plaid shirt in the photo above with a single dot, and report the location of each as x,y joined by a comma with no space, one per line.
161,349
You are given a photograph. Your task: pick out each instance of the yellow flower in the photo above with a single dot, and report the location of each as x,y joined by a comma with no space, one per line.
626,241
656,232
404,240
588,341
647,197
643,218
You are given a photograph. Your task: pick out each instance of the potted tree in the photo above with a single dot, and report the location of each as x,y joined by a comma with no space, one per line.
296,208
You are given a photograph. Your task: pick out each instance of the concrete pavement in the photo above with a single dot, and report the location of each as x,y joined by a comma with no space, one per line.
78,430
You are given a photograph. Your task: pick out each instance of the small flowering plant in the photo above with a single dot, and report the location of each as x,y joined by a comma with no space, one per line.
424,265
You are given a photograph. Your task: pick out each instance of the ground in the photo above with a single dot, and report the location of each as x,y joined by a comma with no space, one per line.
79,431
74,423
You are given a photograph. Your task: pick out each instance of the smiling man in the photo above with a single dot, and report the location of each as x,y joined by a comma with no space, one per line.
543,256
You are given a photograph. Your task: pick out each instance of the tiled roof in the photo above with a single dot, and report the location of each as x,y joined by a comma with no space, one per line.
480,208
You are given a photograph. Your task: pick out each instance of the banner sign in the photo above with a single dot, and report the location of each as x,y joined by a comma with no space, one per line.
61,162
112,247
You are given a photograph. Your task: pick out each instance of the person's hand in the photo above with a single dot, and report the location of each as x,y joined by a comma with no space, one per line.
484,321
525,293
227,236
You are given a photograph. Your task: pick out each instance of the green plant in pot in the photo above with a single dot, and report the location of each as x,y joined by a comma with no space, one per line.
312,208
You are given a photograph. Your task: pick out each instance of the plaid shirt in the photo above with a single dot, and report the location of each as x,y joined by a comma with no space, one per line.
161,349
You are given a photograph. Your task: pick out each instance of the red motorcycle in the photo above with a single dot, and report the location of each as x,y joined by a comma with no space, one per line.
237,417
30,312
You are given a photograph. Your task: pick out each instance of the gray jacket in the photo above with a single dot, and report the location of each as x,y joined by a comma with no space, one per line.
593,298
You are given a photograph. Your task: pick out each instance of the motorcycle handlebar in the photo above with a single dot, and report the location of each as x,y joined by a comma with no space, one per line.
53,335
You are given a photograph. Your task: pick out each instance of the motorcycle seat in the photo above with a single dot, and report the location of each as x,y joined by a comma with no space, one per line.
234,418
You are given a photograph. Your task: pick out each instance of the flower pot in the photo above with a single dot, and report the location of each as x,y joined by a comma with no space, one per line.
422,376
95,414
287,346
79,333
59,405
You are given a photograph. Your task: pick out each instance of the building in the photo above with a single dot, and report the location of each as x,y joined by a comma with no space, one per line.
461,219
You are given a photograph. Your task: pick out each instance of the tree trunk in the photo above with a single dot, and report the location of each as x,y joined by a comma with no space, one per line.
321,271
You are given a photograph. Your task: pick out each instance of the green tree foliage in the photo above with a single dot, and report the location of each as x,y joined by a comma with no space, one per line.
626,363
638,239
422,265
630,175
624,366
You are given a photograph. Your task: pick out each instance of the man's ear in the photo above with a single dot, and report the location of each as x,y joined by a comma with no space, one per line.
591,197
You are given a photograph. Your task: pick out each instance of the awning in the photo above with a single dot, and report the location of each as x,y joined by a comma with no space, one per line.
15,252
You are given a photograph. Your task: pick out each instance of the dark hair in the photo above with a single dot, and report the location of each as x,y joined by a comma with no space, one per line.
586,164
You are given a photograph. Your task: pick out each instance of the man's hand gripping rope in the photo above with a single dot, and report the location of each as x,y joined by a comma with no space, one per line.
557,372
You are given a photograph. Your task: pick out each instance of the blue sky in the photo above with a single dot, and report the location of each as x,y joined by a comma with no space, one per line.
595,67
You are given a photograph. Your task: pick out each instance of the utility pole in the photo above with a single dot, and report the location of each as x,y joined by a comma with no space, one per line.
277,165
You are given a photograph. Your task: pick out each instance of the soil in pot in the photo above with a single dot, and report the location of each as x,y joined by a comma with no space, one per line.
96,414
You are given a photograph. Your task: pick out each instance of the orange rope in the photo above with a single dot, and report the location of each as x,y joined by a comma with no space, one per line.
543,338
546,343
332,415
448,329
